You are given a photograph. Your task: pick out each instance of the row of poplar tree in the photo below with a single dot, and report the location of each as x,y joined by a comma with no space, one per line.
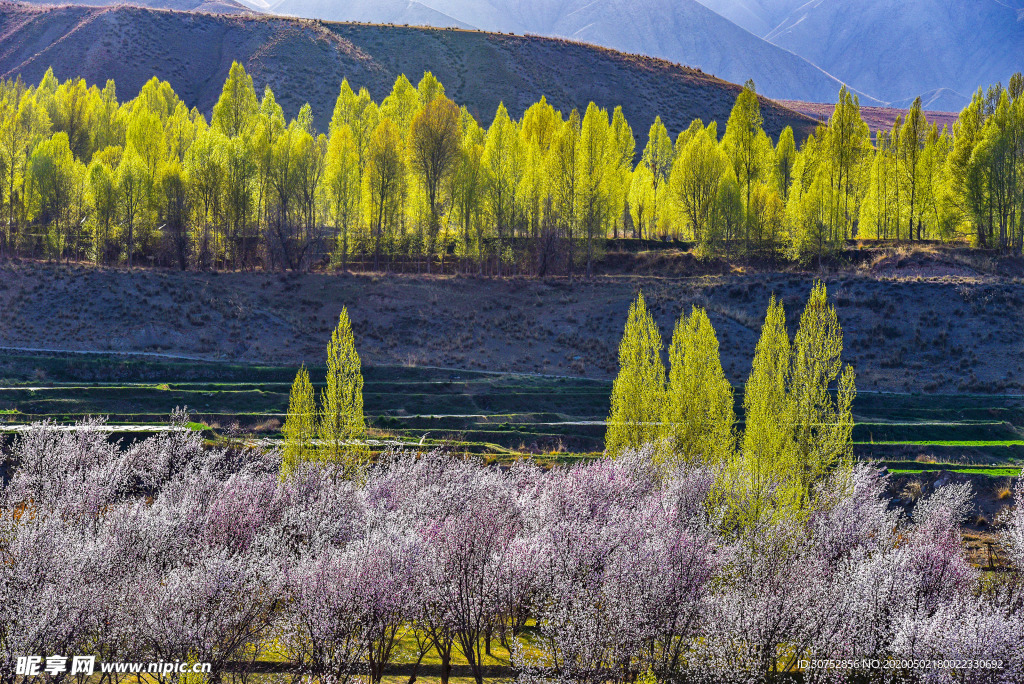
797,404
797,420
335,431
416,180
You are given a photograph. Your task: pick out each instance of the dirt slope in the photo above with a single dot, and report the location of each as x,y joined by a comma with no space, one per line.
907,327
877,118
216,6
304,60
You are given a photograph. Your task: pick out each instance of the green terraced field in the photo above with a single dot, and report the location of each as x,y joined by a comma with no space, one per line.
990,472
497,414
951,443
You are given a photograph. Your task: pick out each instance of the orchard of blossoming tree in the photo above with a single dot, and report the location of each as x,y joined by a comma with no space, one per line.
614,571
416,181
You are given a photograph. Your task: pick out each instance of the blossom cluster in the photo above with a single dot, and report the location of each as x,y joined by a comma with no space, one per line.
609,571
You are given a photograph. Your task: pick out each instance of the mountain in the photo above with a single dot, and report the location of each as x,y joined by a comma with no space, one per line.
210,6
370,11
306,60
877,118
682,31
757,16
938,100
895,50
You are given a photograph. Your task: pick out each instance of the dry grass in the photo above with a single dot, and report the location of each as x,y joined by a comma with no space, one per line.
269,425
912,491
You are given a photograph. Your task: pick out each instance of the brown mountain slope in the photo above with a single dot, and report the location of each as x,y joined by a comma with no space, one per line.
304,60
215,6
877,118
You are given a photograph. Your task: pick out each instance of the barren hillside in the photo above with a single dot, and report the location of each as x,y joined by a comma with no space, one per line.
678,30
911,324
877,118
305,60
216,6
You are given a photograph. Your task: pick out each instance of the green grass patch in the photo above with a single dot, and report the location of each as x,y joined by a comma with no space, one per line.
557,419
989,472
970,444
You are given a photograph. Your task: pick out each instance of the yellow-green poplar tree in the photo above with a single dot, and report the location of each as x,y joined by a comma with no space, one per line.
909,150
300,425
382,183
641,201
658,157
434,146
343,188
640,385
503,159
593,176
744,139
785,160
342,428
620,159
698,416
237,106
563,179
103,198
822,423
693,185
760,471
132,186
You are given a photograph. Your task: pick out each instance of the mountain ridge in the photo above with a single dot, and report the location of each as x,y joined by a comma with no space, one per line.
940,50
938,44
682,31
305,60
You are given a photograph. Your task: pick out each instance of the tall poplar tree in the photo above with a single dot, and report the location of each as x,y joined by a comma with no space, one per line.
658,157
237,106
434,142
57,179
912,138
503,160
383,183
300,425
785,160
760,472
822,422
563,172
623,150
847,140
594,170
745,142
343,188
341,427
966,174
133,197
639,388
641,201
103,197
698,416
696,174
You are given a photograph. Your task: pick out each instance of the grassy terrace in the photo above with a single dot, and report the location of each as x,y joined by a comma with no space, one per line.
492,414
